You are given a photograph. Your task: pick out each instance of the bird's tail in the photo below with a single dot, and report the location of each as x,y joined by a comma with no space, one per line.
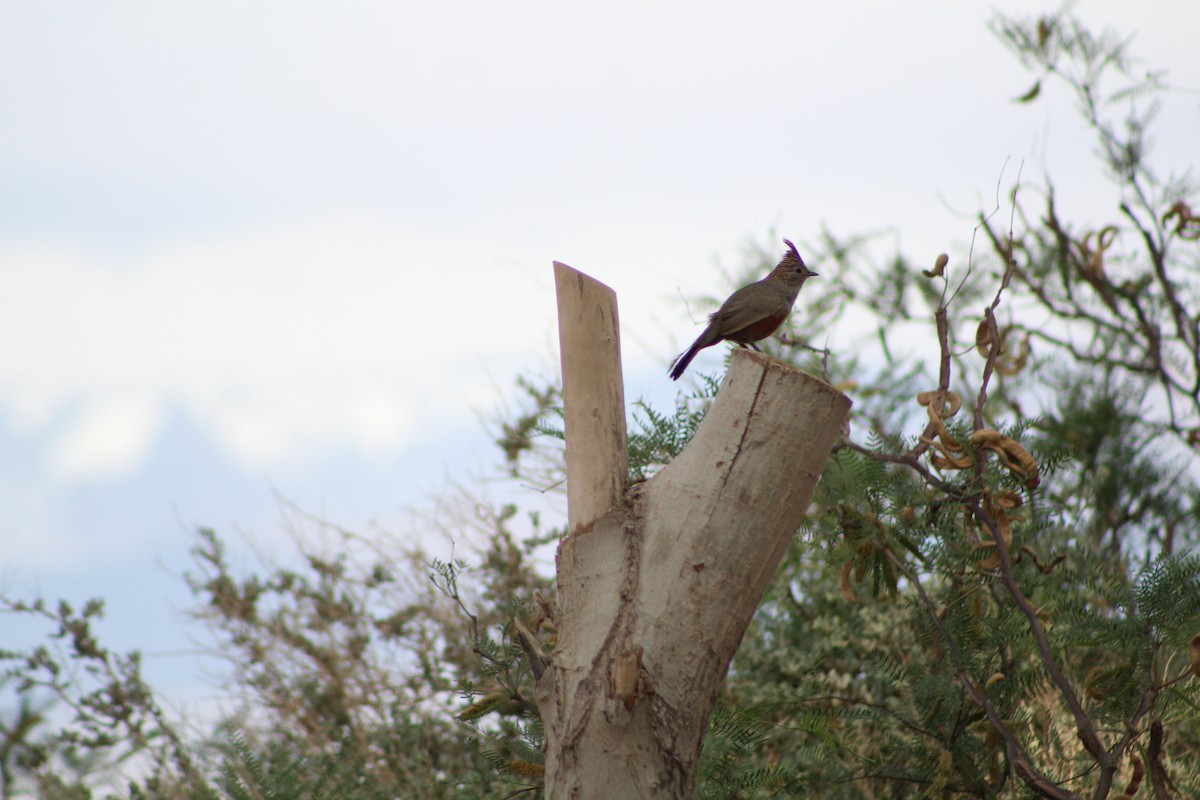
685,358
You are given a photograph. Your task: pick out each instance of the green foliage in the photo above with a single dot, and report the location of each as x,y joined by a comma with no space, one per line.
277,774
516,437
656,437
896,606
83,710
731,766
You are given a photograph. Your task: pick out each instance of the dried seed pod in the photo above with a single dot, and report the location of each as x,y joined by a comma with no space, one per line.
847,586
949,404
527,769
983,338
1009,364
1093,684
483,705
941,405
1011,453
1188,226
1135,779
946,460
939,267
1093,260
999,507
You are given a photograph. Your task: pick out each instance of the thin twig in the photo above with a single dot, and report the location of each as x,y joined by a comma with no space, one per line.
943,334
1083,723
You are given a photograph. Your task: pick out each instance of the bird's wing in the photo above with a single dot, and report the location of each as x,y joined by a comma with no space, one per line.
749,305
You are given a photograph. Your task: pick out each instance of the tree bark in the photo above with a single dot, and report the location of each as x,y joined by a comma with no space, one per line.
655,594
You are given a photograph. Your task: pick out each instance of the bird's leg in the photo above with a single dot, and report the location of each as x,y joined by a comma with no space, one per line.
753,346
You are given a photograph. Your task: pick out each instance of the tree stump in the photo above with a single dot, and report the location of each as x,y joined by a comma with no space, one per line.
658,582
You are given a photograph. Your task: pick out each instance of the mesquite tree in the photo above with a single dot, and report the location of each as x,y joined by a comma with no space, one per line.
1003,598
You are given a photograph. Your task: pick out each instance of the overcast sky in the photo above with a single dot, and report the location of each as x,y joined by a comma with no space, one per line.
248,246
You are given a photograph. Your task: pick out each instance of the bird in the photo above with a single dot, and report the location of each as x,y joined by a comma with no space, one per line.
753,312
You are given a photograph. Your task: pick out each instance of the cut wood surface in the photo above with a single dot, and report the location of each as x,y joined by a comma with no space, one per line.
593,395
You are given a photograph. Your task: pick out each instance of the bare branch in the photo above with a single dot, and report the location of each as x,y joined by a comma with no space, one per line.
1083,722
1016,754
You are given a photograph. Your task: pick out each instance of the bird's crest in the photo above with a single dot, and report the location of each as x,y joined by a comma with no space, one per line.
794,253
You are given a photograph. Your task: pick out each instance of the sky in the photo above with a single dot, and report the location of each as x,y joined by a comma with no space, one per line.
252,251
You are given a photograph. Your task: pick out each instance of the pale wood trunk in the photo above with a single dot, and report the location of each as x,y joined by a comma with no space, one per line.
658,582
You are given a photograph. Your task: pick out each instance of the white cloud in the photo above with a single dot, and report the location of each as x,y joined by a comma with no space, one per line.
109,435
399,176
336,333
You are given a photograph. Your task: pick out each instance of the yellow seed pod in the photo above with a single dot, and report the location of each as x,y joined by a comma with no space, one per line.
1188,226
1011,453
940,409
1095,683
951,403
1135,778
483,706
1012,364
847,586
983,338
1092,260
526,768
1007,501
939,267
948,461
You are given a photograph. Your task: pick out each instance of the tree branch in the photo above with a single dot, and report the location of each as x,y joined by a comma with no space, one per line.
1012,747
1083,722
